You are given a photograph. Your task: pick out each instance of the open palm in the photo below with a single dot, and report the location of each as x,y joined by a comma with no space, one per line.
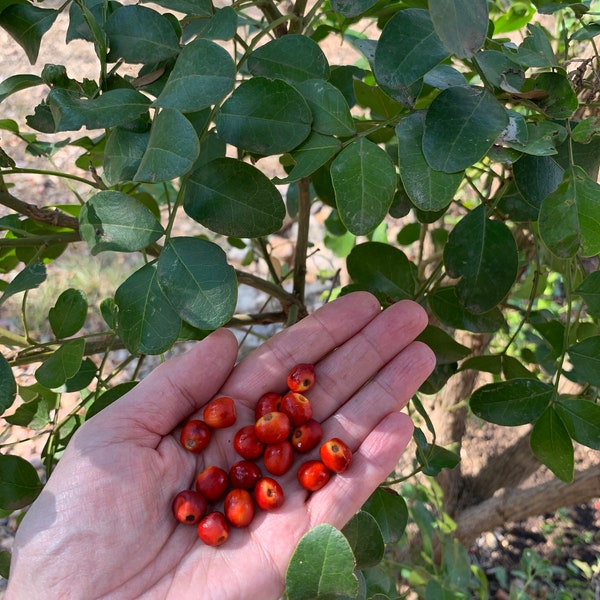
102,526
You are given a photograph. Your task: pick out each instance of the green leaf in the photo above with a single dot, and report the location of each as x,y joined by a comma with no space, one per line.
265,116
147,323
461,24
435,458
511,403
234,198
27,24
551,444
67,316
112,108
537,177
331,115
407,49
29,278
560,100
365,539
8,385
383,270
115,221
445,305
352,8
80,15
322,567
483,254
62,364
220,25
140,35
585,359
513,368
172,149
189,7
34,414
390,512
86,374
487,364
313,153
500,71
447,350
17,83
364,180
428,189
199,283
376,100
19,482
5,557
589,290
123,153
461,125
292,57
582,420
203,75
535,51
569,218
108,397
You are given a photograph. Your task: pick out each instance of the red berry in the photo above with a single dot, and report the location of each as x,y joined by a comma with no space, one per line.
297,407
268,402
239,507
273,427
189,507
244,474
278,458
268,493
313,475
195,435
212,483
301,378
307,436
246,444
336,455
213,530
220,412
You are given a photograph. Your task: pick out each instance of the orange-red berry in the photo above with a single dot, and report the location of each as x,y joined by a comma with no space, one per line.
213,530
307,436
195,435
220,412
336,455
301,377
212,483
278,458
246,444
244,474
268,402
313,475
239,507
189,507
297,407
273,427
268,494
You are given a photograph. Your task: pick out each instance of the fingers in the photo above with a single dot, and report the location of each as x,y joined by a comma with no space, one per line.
374,460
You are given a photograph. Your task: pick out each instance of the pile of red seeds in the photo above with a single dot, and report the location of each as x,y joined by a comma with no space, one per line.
283,428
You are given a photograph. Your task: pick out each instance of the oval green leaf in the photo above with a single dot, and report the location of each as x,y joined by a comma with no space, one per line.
461,125
322,567
199,283
67,316
292,57
234,198
582,420
313,153
551,444
364,180
483,253
203,75
511,403
19,482
123,153
585,359
62,364
32,276
589,290
108,397
172,148
115,221
365,539
265,116
16,83
390,512
447,350
428,189
146,321
8,385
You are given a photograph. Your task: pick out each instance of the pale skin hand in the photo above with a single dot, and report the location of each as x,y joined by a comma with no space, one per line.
102,527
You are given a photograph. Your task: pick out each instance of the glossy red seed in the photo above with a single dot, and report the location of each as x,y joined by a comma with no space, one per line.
212,483
220,412
313,475
278,458
244,474
306,436
268,494
301,377
195,435
336,455
188,507
246,444
213,529
297,407
268,402
239,507
273,427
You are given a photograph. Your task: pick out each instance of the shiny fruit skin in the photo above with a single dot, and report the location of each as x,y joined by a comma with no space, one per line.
244,474
213,530
268,494
195,435
301,377
268,402
246,444
278,458
297,407
189,507
239,507
212,483
307,436
336,455
273,427
220,412
313,475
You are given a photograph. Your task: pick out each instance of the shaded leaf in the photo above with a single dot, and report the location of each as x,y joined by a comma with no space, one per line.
8,385
234,198
511,403
322,566
189,7
62,364
19,482
122,154
29,278
447,350
220,24
537,177
112,220
582,420
108,397
365,539
17,83
559,100
589,290
390,512
585,359
67,316
535,50
313,153
551,444
352,8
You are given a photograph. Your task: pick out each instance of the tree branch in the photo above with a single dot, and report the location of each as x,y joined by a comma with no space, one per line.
302,239
45,215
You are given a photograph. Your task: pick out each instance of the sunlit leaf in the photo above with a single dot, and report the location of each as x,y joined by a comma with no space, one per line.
68,314
62,364
582,420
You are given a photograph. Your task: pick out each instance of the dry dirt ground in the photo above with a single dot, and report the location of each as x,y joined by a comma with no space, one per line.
571,533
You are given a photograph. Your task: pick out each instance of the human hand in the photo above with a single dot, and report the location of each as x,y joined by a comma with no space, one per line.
102,526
